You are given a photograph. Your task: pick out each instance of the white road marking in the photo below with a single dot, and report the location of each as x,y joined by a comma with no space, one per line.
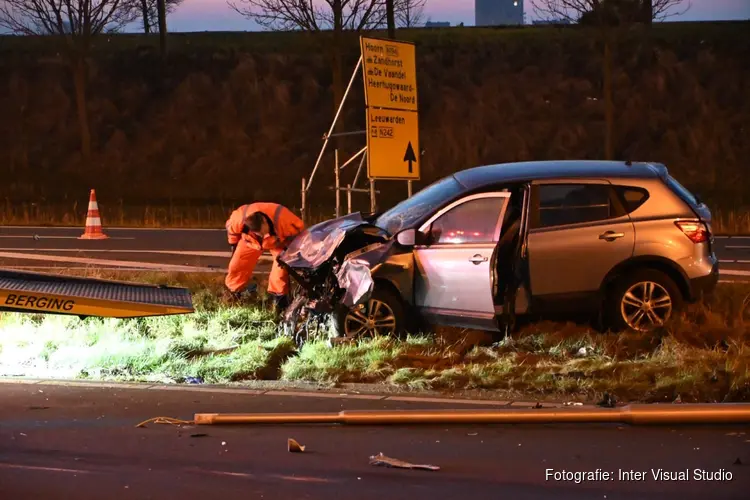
28,236
196,253
115,228
113,268
733,272
102,262
48,469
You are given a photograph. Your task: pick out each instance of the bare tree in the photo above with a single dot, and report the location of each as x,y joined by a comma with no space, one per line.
149,12
409,13
608,17
315,17
153,15
76,23
390,14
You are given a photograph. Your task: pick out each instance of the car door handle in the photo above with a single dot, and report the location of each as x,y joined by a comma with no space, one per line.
478,259
611,236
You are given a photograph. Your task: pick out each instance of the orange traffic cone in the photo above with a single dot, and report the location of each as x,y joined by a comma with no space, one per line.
93,229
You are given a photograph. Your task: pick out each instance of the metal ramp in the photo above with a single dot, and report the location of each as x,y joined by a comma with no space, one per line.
52,294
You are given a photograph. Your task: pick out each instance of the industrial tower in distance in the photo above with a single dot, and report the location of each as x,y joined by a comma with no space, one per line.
498,12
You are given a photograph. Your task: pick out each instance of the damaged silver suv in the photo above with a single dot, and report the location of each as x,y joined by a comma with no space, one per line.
623,240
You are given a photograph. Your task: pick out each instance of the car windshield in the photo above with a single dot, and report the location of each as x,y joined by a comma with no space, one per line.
411,210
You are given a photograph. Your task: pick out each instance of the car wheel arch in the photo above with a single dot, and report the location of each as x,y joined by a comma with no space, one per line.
657,263
388,284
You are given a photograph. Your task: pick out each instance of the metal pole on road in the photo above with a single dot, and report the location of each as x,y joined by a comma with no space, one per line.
348,199
636,414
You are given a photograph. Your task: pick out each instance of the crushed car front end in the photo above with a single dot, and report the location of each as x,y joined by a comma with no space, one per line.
331,265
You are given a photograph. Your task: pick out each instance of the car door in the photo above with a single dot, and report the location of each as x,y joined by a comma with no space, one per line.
452,280
578,231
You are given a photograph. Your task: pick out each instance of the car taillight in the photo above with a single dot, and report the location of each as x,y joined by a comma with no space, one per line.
696,231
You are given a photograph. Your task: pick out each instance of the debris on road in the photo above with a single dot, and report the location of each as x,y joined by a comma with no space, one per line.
165,420
383,461
293,446
572,403
199,435
38,407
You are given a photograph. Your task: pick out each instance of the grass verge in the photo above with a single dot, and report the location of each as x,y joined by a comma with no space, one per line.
704,355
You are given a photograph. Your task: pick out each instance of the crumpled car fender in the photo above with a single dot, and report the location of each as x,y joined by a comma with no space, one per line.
355,276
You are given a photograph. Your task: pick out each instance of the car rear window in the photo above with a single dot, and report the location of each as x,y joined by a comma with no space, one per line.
682,191
632,197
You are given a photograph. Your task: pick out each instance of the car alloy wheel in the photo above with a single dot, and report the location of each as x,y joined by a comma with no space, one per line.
371,320
646,305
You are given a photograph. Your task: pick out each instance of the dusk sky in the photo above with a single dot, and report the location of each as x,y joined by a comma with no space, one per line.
215,15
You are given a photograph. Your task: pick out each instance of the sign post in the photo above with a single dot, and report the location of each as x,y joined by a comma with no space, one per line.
390,81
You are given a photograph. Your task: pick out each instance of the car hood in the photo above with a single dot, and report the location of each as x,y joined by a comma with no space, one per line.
317,244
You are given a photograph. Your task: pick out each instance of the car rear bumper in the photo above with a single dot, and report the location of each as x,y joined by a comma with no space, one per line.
704,285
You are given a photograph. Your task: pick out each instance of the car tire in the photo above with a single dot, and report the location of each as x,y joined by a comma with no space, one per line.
629,295
388,304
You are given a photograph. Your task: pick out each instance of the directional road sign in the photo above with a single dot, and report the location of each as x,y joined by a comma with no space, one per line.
393,144
390,77
390,74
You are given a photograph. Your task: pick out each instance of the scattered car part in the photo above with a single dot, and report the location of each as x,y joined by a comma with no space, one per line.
382,460
293,446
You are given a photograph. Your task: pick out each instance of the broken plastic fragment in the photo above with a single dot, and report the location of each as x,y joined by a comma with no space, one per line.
293,446
355,278
383,461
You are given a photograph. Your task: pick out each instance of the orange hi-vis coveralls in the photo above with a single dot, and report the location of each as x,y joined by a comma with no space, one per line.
284,227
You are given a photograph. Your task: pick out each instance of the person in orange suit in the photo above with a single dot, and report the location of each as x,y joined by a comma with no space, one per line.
253,229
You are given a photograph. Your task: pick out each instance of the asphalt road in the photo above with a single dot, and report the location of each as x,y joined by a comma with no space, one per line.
198,250
62,442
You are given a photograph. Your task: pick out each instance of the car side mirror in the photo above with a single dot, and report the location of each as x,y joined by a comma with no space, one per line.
407,238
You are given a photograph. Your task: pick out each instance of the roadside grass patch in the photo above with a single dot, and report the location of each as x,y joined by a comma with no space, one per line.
225,345
703,355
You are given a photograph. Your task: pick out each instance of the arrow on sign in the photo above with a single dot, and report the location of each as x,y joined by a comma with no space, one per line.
410,156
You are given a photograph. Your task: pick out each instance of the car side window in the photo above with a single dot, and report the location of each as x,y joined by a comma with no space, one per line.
562,204
474,221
